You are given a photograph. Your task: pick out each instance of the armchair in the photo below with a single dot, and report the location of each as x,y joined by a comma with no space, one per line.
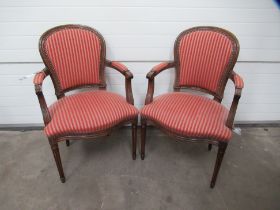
75,58
204,58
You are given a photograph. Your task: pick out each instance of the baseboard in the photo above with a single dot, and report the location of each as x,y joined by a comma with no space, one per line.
245,124
21,127
39,126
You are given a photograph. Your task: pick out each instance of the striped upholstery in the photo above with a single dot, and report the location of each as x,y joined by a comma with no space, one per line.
75,56
238,81
189,115
39,78
88,112
203,57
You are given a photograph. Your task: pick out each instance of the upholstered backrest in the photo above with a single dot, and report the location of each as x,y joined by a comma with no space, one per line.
205,56
75,56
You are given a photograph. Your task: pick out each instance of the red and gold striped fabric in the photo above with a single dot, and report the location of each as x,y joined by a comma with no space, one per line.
238,81
75,56
203,56
39,78
189,115
119,66
88,112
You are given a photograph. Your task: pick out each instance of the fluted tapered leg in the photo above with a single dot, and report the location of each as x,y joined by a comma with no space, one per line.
143,138
221,151
56,155
134,139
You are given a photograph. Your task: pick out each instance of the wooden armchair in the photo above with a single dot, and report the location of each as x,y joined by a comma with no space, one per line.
75,58
204,58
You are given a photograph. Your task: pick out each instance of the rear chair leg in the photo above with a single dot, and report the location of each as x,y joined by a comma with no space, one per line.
143,137
209,147
56,155
134,139
67,143
221,151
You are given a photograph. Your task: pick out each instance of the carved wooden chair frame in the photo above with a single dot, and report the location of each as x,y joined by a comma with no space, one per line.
49,71
228,74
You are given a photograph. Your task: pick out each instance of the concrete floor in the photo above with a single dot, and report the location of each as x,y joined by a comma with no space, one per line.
175,175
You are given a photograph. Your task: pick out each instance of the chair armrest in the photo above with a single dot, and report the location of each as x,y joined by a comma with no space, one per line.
38,81
159,68
39,78
151,75
237,80
239,84
120,68
128,76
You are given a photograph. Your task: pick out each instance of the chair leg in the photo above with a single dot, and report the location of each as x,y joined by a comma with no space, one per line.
56,155
209,147
134,139
221,151
67,143
143,137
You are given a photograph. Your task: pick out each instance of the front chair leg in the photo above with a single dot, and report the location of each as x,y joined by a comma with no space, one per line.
221,151
134,139
143,137
56,155
67,143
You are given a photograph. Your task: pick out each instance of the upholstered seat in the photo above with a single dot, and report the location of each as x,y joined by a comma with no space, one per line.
189,115
88,112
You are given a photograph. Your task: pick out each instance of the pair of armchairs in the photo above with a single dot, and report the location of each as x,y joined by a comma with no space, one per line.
75,57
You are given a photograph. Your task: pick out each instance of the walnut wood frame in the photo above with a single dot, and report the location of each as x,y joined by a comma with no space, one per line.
217,96
49,71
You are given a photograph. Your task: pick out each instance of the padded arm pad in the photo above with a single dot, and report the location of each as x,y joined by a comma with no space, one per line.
119,66
159,68
39,78
238,81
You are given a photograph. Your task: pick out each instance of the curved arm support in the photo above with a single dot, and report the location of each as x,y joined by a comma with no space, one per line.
239,84
38,81
128,76
151,75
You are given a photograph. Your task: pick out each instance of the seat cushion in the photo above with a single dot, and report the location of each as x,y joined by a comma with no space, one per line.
88,112
189,115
